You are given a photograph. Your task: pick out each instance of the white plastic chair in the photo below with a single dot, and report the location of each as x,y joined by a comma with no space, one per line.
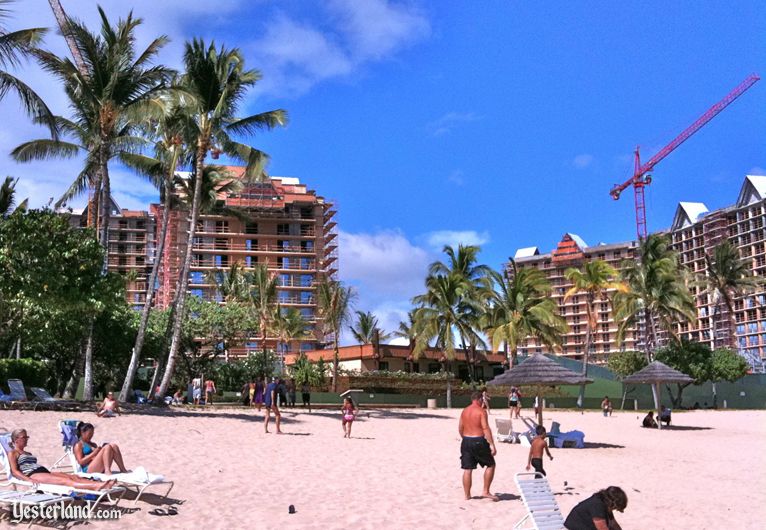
505,431
543,511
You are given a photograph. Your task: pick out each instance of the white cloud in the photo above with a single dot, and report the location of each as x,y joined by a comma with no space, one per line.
296,55
582,161
446,123
438,239
384,264
756,170
456,177
377,28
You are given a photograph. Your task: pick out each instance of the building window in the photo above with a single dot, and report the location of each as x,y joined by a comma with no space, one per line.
407,366
433,368
197,292
383,366
196,277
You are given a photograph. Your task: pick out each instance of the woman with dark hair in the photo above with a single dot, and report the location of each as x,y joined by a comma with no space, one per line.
597,511
24,467
95,459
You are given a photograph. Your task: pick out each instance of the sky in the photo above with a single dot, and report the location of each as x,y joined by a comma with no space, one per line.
430,123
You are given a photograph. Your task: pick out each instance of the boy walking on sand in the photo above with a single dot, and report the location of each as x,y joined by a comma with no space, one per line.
536,451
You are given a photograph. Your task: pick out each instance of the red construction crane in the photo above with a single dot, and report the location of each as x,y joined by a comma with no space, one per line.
641,177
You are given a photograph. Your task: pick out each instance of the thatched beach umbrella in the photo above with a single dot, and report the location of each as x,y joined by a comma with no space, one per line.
655,374
539,370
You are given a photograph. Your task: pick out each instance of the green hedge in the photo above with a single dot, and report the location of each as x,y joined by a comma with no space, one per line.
30,371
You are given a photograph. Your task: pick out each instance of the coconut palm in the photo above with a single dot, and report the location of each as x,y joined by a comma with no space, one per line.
13,46
520,307
593,280
471,286
367,331
107,102
216,81
726,278
657,293
289,325
443,313
334,305
263,299
8,198
232,284
166,130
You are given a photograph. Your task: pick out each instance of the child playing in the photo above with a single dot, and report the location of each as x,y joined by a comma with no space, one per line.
349,415
536,451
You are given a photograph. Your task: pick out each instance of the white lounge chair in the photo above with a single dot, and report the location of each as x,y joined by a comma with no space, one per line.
137,479
505,431
112,495
13,498
543,511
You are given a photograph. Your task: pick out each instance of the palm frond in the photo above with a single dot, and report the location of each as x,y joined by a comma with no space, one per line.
45,149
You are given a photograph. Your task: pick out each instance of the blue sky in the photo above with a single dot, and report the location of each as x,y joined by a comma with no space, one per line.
501,123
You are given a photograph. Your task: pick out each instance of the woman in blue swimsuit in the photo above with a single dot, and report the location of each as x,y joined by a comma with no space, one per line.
95,459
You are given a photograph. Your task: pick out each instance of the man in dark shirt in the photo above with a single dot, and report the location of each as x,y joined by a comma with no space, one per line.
270,402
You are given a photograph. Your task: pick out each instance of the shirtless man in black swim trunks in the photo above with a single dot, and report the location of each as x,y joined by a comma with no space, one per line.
477,446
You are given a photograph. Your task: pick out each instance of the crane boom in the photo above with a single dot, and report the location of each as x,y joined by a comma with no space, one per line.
640,179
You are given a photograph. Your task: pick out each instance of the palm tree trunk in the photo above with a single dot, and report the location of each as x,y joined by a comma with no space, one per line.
649,355
141,334
588,340
335,361
732,326
87,393
180,313
449,385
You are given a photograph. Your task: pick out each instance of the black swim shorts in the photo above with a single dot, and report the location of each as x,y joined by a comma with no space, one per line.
537,463
475,450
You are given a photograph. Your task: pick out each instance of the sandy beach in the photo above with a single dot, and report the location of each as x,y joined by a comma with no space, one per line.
401,468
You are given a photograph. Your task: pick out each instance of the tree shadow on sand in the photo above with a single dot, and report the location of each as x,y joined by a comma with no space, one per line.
686,428
602,445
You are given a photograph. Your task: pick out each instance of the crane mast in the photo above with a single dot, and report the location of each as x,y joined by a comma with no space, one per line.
641,177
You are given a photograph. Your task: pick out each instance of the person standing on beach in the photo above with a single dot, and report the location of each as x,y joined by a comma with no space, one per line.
196,390
306,395
209,391
514,402
270,402
477,446
291,392
536,451
348,412
259,390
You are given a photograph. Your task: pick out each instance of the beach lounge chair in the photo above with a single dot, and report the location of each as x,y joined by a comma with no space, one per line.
543,511
43,397
138,479
560,439
505,431
17,399
139,398
13,498
94,498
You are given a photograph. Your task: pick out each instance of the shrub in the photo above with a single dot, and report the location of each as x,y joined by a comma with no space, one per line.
30,371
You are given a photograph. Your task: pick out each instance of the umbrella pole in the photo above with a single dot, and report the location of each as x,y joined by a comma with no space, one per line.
539,409
659,400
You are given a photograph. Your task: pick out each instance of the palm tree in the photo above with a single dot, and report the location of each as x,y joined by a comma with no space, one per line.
216,81
367,331
289,325
108,101
521,307
232,284
728,277
471,288
14,45
334,304
8,198
166,129
656,292
263,299
443,313
594,279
